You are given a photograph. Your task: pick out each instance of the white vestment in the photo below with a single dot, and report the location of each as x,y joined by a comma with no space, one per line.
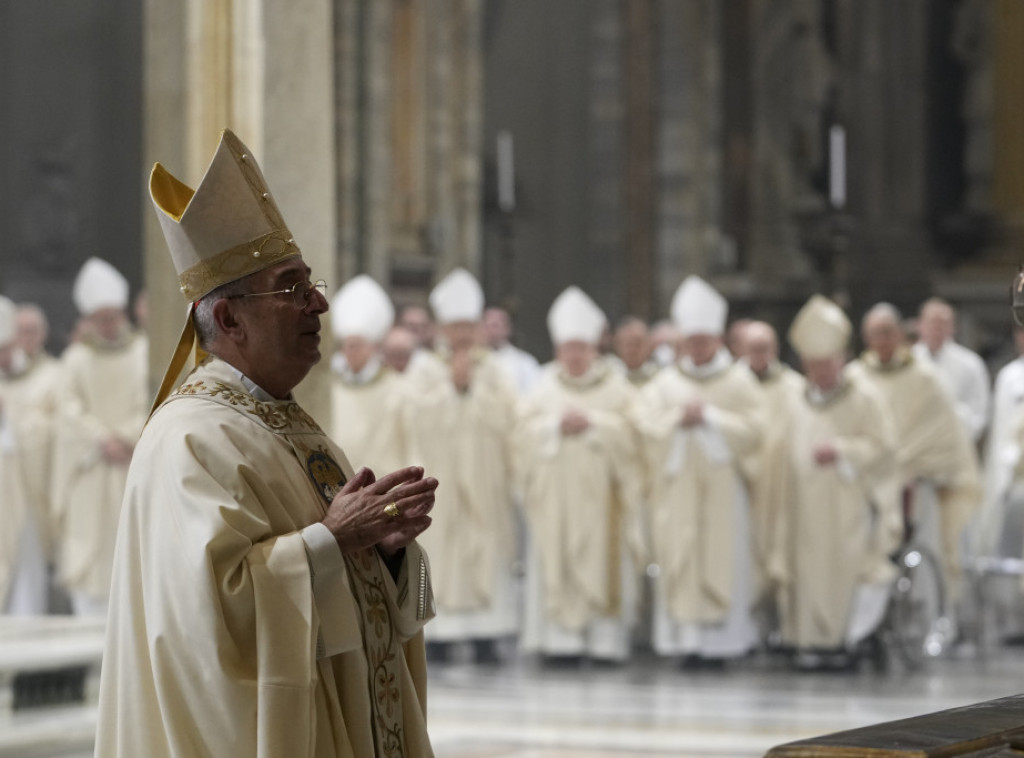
465,440
582,496
368,418
700,521
965,377
236,627
104,395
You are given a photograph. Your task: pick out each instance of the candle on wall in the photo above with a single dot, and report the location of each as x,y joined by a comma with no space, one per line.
837,166
506,173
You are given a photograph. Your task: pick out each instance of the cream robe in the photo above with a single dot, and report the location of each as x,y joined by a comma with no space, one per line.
104,393
830,538
465,441
931,444
581,496
367,419
781,387
31,397
214,630
698,502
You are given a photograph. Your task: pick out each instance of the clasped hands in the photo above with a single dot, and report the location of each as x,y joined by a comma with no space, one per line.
357,516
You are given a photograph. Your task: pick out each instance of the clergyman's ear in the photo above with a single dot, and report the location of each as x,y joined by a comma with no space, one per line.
224,315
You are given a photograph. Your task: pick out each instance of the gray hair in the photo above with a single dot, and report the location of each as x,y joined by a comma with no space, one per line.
206,325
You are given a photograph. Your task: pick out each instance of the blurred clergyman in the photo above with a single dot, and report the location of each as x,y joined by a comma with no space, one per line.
102,409
700,422
521,367
582,492
961,370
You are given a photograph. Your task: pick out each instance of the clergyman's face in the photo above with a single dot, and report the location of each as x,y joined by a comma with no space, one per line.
576,356
281,337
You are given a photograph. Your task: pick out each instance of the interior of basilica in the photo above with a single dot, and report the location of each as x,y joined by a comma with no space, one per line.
868,150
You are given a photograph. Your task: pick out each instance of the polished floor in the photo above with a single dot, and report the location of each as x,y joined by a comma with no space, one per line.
646,709
653,709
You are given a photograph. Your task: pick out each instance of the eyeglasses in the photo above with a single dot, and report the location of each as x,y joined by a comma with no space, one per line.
301,292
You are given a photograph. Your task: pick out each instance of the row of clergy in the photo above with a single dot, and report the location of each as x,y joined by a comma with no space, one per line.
720,490
68,427
601,470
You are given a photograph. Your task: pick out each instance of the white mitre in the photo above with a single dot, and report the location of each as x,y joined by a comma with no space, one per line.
697,308
225,229
8,321
574,317
99,285
362,309
457,297
820,330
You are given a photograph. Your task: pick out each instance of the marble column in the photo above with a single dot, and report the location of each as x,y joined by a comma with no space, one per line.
265,69
688,181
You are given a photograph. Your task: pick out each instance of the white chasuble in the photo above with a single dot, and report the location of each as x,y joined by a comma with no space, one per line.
464,439
582,497
368,422
700,521
931,445
221,640
104,395
830,538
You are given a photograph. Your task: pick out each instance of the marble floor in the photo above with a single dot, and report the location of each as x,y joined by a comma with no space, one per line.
647,709
651,709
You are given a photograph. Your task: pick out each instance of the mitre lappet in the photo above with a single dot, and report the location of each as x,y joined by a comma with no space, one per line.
225,229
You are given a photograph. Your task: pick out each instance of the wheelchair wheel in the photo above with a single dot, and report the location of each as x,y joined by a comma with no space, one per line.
919,626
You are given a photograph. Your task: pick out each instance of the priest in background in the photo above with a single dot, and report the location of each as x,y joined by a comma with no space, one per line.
367,397
936,474
781,386
102,409
521,368
462,411
23,436
830,554
634,351
701,419
962,371
582,493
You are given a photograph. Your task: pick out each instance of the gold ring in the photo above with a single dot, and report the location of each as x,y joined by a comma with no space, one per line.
392,510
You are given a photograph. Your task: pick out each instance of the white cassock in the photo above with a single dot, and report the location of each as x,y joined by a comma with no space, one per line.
964,375
1001,456
465,441
581,496
521,368
700,520
368,421
105,394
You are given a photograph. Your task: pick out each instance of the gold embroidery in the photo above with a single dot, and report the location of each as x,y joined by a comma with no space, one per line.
382,653
236,262
275,416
